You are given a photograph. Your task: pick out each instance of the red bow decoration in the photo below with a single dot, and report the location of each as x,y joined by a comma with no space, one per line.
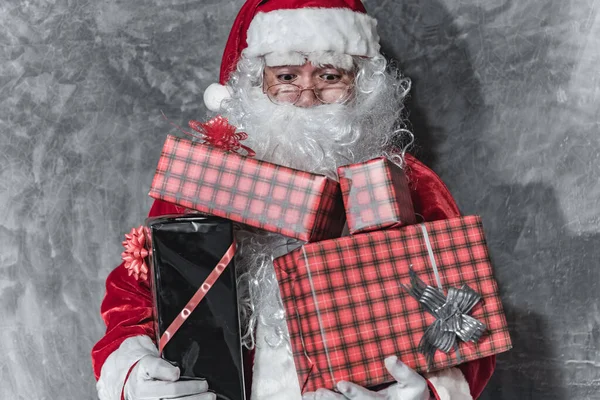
135,253
218,132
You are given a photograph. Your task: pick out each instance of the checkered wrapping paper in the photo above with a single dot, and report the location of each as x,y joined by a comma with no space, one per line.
376,196
264,195
346,309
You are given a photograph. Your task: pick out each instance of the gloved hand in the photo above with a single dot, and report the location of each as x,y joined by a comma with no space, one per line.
154,378
410,386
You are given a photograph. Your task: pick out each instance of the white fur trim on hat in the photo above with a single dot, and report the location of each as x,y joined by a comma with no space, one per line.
338,60
318,58
214,95
287,58
450,384
309,30
117,365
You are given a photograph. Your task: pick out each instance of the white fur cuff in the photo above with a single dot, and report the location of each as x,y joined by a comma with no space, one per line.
117,365
450,384
309,30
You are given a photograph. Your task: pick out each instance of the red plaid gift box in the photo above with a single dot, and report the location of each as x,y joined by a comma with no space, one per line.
347,309
264,195
376,196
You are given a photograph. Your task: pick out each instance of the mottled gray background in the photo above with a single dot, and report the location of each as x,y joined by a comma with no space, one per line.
504,106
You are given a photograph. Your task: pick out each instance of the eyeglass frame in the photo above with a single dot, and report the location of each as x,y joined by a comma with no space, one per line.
302,90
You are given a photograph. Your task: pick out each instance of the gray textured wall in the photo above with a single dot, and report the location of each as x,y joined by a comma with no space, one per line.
505,109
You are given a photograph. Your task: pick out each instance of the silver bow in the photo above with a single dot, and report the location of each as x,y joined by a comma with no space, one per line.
450,313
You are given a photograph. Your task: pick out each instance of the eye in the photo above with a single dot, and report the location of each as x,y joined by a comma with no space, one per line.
286,77
331,78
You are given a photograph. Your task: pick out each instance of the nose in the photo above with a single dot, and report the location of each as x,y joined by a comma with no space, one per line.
307,99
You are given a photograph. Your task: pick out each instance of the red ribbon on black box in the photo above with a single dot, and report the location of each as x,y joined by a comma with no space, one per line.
196,298
348,307
278,199
376,196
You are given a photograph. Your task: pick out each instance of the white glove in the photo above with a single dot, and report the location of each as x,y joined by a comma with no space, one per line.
410,386
154,378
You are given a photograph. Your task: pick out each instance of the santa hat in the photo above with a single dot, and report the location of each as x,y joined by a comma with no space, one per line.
289,32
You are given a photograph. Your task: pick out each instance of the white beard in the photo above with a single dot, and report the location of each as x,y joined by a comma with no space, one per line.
316,139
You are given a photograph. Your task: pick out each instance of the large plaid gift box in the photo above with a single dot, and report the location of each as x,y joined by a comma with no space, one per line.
348,304
376,196
297,204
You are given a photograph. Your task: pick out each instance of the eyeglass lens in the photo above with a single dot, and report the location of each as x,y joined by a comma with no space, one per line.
290,94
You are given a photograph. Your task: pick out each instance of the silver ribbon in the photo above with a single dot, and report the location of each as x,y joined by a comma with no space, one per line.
451,316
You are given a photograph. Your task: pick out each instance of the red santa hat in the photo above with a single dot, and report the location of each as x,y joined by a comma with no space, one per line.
289,32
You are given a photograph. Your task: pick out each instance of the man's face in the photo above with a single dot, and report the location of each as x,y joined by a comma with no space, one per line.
313,118
307,85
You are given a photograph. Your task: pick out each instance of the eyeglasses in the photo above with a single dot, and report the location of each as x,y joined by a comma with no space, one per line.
288,93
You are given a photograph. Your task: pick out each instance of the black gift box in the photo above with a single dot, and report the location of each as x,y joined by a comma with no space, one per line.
185,250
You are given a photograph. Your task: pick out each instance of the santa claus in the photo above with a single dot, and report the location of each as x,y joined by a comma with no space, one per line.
306,80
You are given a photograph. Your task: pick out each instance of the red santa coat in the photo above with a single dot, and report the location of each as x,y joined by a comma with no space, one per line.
127,307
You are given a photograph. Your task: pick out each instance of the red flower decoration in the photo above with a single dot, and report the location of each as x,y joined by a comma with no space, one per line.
218,132
135,253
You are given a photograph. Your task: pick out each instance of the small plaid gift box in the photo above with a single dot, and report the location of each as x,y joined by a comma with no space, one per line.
348,304
376,196
297,204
